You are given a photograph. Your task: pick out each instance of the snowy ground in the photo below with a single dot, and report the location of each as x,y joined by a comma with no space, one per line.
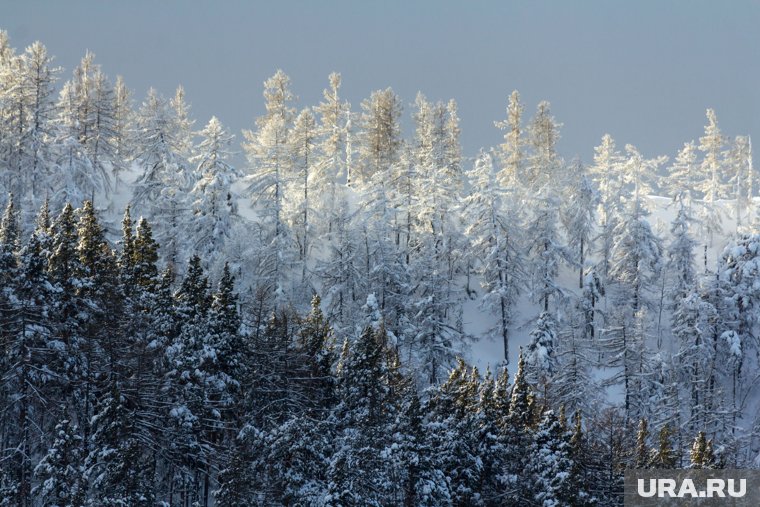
490,353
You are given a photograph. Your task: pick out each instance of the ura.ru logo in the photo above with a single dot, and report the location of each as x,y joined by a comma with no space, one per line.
713,488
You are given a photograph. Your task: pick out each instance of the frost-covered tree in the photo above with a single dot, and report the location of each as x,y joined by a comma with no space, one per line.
542,180
591,294
436,245
451,147
37,79
183,134
540,354
27,111
160,191
330,164
682,179
92,100
692,327
75,179
711,184
496,242
301,195
549,466
680,264
636,263
379,138
385,272
545,248
512,149
739,272
636,253
213,203
270,171
740,179
573,385
608,175
342,271
122,128
543,164
578,216
61,470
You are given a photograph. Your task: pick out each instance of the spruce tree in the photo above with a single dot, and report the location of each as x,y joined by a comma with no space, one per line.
641,457
61,470
664,456
549,464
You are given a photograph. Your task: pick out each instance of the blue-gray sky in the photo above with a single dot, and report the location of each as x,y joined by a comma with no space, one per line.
643,71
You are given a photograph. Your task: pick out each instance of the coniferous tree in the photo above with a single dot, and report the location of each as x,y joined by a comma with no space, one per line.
682,179
300,196
664,456
641,456
680,252
607,171
453,412
358,472
578,217
711,178
61,470
161,190
540,355
122,130
512,149
271,170
701,454
379,135
213,203
549,464
330,165
496,240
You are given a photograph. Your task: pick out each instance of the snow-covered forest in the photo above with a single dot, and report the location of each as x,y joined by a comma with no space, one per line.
355,316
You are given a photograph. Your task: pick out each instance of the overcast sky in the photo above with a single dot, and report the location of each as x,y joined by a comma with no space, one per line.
643,71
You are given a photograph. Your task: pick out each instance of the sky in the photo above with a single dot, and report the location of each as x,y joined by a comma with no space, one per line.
642,71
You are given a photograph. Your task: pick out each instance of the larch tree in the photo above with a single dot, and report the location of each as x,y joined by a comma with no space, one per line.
578,216
379,137
543,164
213,203
330,165
496,243
183,134
301,195
739,166
636,253
161,190
636,263
267,150
123,122
511,151
711,182
37,81
680,252
607,172
92,97
682,179
542,182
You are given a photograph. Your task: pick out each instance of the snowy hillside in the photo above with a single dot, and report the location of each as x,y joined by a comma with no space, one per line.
327,325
